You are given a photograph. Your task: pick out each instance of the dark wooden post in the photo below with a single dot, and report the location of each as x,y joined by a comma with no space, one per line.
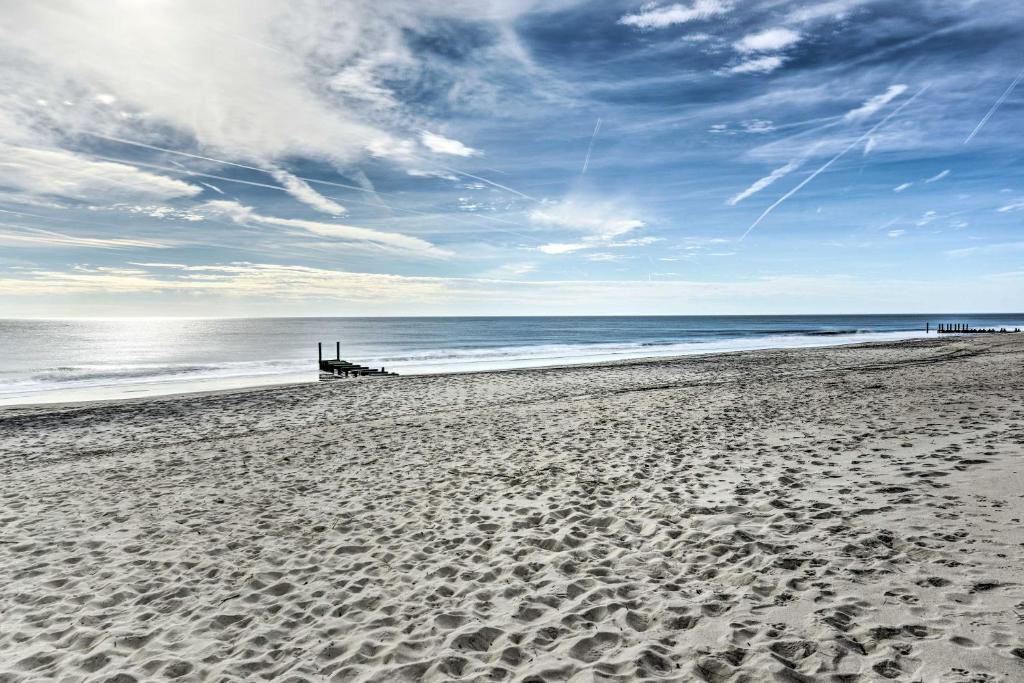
338,355
319,352
926,328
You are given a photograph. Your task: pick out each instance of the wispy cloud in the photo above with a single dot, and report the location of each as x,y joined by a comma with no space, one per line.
758,65
394,242
301,190
61,173
563,247
770,40
938,176
830,8
873,105
442,145
669,15
901,188
598,218
764,182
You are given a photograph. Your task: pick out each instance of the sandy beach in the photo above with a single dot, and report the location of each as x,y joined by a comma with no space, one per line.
834,514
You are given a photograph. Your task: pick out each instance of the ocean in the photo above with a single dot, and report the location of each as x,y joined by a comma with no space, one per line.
80,359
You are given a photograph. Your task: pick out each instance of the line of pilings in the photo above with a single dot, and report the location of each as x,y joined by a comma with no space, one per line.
965,328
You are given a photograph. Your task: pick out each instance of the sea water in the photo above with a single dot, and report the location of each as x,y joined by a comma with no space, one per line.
79,359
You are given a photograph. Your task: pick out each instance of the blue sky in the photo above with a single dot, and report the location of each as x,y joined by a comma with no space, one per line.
510,157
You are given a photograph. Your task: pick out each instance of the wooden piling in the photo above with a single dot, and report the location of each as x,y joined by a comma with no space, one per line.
319,352
337,355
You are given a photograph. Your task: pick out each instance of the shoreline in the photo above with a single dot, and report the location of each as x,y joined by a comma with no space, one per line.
8,404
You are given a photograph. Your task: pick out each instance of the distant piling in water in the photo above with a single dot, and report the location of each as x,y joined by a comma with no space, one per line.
965,328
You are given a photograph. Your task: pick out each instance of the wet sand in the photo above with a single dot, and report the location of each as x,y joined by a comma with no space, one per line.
835,514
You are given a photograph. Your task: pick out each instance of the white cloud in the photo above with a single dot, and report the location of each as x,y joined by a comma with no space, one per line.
770,40
237,76
301,190
757,126
60,173
833,8
1013,206
896,233
633,242
444,175
600,219
254,82
660,17
387,241
764,182
759,65
875,103
562,248
161,211
900,188
938,176
442,145
359,81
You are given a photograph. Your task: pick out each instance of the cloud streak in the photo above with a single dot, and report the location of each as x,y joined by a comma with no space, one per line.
764,182
670,15
394,242
442,145
769,40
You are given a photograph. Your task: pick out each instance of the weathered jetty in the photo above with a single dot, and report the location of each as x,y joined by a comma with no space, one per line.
336,368
965,328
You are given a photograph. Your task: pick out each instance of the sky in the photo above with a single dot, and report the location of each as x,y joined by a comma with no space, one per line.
510,157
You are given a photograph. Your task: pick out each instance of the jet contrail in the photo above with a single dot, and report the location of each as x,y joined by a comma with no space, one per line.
831,161
308,180
586,162
1002,98
489,182
218,161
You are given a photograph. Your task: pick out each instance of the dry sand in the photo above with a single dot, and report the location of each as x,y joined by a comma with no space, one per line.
834,514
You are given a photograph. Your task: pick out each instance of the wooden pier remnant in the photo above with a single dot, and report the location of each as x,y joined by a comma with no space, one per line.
965,328
336,368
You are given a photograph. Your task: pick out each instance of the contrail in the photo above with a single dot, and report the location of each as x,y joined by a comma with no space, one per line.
831,161
489,182
308,180
586,162
220,161
1002,98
